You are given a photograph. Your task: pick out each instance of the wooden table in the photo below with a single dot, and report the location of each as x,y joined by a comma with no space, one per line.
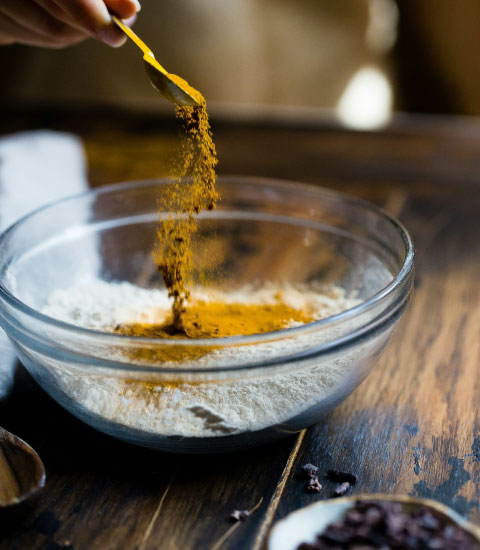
412,427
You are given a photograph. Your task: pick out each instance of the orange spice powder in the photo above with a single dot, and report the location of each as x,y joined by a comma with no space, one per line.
192,191
212,320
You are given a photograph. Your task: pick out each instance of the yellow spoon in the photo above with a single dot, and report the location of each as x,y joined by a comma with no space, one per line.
169,85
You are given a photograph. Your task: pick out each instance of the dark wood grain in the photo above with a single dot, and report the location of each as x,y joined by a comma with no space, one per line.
412,427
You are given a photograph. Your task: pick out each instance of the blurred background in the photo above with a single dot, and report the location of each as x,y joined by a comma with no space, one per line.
358,60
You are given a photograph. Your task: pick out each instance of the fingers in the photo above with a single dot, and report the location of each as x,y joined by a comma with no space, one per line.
26,22
58,23
11,31
30,16
56,11
93,16
123,8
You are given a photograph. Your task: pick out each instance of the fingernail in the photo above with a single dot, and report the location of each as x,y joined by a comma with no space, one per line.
111,36
137,5
130,21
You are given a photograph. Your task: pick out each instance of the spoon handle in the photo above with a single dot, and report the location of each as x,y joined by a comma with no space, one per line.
128,31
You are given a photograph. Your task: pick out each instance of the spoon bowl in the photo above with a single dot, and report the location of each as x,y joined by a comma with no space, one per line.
170,86
22,474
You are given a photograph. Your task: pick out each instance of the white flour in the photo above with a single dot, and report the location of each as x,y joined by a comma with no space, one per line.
208,408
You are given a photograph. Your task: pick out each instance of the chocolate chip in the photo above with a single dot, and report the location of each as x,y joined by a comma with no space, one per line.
430,522
341,477
435,544
310,470
313,485
239,515
341,489
335,535
353,517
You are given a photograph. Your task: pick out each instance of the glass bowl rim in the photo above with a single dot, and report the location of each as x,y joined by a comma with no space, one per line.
397,280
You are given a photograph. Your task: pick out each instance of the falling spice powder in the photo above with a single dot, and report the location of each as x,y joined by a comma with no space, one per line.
192,191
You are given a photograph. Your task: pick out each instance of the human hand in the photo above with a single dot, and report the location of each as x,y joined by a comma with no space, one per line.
61,23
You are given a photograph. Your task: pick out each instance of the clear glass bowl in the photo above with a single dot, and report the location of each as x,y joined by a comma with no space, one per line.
258,388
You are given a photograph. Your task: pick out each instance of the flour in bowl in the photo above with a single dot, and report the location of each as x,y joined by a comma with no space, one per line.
242,401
